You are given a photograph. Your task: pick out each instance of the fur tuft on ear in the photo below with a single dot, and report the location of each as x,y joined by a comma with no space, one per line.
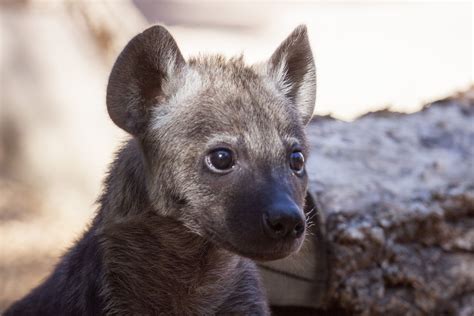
292,68
136,81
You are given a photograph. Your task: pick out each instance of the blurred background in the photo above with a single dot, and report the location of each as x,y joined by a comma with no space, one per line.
56,138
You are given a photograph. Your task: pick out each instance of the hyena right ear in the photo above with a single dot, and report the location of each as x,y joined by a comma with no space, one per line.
292,69
136,82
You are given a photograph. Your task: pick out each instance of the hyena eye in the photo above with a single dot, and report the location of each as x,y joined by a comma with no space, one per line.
297,161
220,160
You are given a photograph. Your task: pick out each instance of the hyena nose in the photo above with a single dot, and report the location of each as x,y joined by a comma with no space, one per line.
284,220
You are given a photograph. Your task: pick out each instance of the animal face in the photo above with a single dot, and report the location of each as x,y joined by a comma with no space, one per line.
223,142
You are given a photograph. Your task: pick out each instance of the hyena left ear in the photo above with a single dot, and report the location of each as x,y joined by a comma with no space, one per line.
292,68
138,78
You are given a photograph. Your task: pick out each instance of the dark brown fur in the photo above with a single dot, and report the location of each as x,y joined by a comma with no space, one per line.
170,237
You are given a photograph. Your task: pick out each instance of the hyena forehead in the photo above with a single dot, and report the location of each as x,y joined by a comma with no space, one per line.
214,95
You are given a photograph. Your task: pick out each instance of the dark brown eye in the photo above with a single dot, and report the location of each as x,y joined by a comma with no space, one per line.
297,161
220,160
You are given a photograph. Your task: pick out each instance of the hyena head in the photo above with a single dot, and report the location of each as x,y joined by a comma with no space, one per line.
223,142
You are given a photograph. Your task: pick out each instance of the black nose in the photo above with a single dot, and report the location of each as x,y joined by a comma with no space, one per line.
284,219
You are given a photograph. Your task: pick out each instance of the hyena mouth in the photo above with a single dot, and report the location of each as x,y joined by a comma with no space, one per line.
278,251
266,250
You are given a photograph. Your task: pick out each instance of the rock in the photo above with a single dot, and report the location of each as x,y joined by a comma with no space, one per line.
397,196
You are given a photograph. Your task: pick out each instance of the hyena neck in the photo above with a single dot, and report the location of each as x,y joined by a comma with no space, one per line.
151,260
125,193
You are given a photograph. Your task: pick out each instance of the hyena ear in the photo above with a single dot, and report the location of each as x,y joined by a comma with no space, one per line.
292,68
136,82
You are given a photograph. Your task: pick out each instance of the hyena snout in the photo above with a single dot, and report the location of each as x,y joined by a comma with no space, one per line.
283,220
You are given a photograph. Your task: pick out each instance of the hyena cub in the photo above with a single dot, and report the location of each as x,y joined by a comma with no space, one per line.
212,178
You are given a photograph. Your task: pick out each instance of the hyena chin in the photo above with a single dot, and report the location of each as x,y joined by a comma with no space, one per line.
212,177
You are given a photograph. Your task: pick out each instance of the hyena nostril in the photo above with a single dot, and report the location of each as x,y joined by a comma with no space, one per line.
299,230
278,228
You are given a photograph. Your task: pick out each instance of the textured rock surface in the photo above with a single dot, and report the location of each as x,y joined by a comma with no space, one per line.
397,195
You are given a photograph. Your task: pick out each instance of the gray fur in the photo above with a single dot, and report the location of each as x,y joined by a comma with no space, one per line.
170,237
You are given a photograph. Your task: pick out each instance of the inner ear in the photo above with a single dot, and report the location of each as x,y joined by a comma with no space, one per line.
292,68
150,78
138,76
